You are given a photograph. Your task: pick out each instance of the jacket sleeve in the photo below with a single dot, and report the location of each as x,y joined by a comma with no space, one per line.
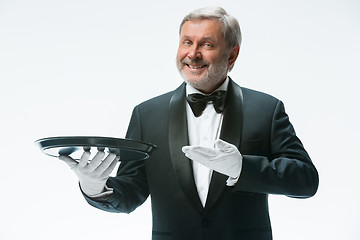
286,170
130,184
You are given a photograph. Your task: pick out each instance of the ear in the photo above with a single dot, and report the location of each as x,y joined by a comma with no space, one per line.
234,53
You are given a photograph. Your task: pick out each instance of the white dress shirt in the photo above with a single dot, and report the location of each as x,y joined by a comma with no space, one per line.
203,130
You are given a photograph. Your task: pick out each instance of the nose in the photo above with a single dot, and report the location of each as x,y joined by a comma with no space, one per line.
194,53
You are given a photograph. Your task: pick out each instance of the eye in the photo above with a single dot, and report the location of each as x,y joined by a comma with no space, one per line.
208,45
187,42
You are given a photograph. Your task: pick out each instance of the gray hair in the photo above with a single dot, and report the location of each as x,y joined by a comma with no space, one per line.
231,28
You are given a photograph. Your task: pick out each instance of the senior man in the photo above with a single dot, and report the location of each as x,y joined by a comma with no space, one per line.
222,149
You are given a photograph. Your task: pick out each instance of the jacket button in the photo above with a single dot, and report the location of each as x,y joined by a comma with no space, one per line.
204,222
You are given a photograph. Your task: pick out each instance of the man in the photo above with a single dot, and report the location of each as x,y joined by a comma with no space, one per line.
216,161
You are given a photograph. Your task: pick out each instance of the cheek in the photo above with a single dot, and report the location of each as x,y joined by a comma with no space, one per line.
213,57
181,54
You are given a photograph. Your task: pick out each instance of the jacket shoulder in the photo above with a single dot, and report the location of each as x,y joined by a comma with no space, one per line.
157,101
254,99
162,100
251,93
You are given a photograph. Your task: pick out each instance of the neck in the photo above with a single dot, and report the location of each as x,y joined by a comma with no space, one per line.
190,88
211,88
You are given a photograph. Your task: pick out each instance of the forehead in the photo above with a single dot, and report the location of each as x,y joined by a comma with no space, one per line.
202,28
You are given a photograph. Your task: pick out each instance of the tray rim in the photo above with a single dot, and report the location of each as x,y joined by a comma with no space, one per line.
95,141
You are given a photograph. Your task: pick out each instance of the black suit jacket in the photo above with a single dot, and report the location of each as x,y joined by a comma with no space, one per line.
274,162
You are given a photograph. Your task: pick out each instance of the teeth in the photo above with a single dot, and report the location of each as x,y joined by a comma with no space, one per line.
196,67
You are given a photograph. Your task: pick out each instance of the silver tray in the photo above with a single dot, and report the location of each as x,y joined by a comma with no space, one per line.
74,146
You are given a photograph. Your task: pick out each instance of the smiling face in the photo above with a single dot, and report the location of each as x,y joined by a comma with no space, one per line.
203,58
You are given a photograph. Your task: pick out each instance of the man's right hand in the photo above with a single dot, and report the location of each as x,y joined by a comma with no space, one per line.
92,174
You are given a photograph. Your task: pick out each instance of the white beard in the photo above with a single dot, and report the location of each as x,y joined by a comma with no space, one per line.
216,73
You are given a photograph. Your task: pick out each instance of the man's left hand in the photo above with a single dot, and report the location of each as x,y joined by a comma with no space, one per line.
224,158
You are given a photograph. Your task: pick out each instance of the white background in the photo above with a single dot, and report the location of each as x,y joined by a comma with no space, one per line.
78,67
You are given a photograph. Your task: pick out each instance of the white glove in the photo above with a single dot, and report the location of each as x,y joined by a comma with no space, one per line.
94,174
225,158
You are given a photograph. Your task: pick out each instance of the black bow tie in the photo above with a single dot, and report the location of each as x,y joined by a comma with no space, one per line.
199,101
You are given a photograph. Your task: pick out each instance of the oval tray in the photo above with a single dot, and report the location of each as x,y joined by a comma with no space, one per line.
73,146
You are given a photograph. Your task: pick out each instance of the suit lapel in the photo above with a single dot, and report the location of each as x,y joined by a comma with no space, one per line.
178,137
231,131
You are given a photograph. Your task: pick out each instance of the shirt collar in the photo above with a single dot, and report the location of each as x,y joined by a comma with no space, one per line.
190,89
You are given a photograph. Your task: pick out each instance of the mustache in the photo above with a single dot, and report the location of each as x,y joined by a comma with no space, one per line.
196,61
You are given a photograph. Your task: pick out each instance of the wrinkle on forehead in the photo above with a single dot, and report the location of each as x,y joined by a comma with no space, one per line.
204,29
